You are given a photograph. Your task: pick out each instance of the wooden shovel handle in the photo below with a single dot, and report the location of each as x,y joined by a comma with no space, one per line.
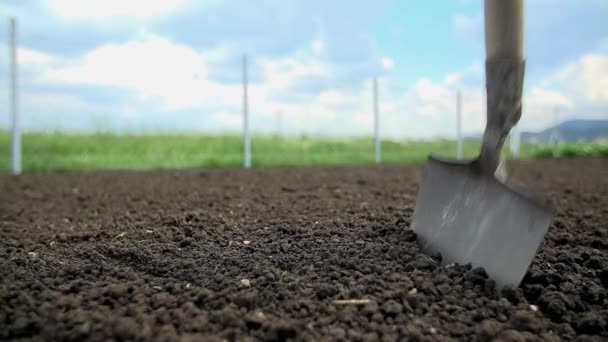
505,69
504,29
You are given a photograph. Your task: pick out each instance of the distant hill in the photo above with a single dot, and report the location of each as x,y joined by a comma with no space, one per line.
567,131
570,131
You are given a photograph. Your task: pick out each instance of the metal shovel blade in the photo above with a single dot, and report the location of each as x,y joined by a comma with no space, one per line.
471,217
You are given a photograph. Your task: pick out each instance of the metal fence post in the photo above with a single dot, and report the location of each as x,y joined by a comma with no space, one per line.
377,142
246,134
459,123
15,130
514,141
554,137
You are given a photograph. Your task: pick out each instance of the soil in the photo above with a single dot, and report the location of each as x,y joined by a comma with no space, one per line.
264,254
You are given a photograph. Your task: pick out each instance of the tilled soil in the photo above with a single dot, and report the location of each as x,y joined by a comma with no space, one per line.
264,254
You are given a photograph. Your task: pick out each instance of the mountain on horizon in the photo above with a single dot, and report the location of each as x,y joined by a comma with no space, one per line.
570,131
567,131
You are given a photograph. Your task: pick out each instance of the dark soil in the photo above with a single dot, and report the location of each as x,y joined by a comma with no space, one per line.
263,254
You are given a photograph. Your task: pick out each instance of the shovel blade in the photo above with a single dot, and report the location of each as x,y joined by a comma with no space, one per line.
470,217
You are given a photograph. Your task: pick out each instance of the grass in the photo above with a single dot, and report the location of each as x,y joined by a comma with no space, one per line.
59,152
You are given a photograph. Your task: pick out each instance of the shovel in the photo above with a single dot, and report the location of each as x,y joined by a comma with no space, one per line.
463,211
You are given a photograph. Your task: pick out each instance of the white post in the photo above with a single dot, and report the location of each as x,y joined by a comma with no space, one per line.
555,134
15,133
514,141
459,123
376,123
246,136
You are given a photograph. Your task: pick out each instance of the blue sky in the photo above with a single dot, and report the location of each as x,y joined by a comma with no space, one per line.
175,65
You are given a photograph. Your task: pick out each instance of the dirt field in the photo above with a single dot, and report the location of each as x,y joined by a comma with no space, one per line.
264,254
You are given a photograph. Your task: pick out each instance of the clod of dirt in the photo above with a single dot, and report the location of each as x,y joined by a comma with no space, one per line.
591,323
392,308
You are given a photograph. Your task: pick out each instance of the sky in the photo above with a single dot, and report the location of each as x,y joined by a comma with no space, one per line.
176,65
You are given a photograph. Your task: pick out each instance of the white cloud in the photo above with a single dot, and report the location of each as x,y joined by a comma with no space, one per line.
38,106
333,97
547,97
283,71
434,103
154,68
41,100
363,119
427,91
538,106
578,89
472,74
128,111
53,101
587,77
113,8
229,119
32,57
468,27
317,46
388,63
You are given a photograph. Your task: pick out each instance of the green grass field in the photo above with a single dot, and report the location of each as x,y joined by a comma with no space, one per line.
60,152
